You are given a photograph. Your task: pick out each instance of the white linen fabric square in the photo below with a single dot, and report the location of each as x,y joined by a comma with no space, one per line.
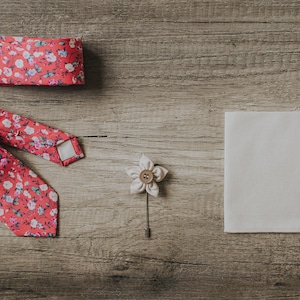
262,172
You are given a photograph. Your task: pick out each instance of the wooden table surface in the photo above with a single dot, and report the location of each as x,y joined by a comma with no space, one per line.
160,75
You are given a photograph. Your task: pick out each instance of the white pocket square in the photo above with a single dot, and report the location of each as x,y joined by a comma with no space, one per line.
262,172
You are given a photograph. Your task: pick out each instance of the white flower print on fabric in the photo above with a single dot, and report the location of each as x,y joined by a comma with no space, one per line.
69,67
50,57
53,196
72,43
27,194
31,205
44,131
9,199
29,130
6,123
11,174
33,223
32,174
18,75
26,54
7,72
16,118
53,212
44,187
18,39
7,185
31,72
19,185
41,211
38,54
19,63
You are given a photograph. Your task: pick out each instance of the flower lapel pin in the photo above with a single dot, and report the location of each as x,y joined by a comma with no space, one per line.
145,177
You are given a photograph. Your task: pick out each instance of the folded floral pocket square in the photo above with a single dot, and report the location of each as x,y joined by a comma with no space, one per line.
262,172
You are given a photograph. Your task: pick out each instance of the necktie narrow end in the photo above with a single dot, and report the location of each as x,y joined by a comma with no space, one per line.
69,151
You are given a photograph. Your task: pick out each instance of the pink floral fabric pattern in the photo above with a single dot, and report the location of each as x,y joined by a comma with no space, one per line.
28,205
36,138
35,61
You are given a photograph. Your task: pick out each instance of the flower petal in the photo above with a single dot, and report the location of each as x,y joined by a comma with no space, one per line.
146,163
133,171
159,173
152,189
137,186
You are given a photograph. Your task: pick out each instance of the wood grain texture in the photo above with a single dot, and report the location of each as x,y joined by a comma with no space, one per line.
160,75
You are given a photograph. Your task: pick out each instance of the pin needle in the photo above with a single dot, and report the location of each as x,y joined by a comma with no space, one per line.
147,229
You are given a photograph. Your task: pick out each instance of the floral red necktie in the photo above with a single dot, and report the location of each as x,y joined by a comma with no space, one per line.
40,61
28,205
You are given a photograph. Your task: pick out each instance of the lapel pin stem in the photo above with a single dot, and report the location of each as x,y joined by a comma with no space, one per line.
147,229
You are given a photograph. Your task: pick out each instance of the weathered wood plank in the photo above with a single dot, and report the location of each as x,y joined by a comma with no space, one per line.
160,75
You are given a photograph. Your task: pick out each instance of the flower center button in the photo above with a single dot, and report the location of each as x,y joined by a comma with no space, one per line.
146,176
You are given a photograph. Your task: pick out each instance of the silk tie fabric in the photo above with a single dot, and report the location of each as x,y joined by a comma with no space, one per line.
40,61
28,205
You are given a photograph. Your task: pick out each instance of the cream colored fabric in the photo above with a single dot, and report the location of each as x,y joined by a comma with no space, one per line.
66,150
262,172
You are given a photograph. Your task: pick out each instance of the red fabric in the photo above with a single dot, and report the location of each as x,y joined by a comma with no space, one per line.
35,138
28,205
35,61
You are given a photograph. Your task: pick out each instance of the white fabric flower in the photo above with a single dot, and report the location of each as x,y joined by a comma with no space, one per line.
145,176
